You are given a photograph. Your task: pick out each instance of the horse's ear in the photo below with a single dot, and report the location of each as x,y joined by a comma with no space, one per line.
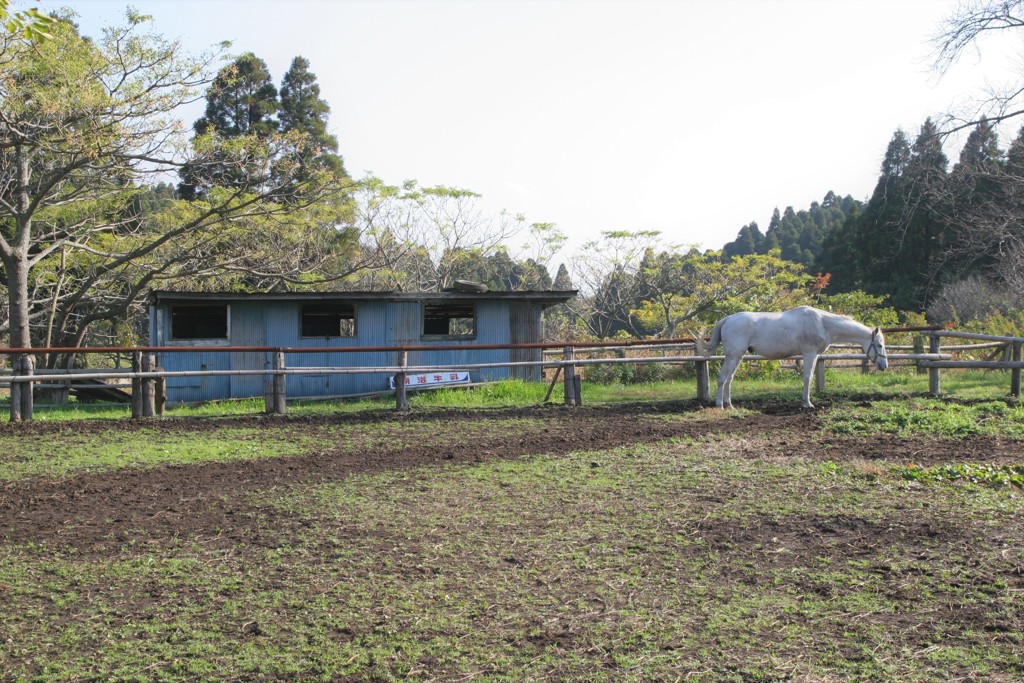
877,331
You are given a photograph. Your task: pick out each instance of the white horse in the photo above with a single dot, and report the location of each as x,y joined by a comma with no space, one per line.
801,331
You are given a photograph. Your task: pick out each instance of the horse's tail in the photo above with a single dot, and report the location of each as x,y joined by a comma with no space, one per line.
714,343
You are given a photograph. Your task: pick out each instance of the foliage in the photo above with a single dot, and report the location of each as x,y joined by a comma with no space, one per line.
860,306
701,288
630,373
973,299
426,238
798,235
87,129
31,24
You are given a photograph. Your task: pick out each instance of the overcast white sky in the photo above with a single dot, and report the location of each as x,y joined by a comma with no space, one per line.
692,117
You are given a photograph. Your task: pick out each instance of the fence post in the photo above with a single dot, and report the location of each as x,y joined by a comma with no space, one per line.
570,376
137,399
280,385
933,373
28,364
148,388
15,391
819,375
919,348
268,385
1015,372
21,392
160,391
401,394
703,381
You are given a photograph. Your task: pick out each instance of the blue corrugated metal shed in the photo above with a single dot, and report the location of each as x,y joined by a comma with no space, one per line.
313,320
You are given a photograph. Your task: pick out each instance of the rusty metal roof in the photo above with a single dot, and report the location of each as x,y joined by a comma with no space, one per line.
543,297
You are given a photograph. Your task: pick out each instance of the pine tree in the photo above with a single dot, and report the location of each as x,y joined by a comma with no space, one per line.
979,196
563,283
874,236
748,241
241,101
303,111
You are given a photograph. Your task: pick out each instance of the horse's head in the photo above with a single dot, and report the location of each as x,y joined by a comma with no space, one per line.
875,349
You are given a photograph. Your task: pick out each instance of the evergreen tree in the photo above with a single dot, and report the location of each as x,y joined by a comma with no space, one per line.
927,231
241,101
1015,156
563,283
891,248
303,111
874,237
748,241
798,235
983,195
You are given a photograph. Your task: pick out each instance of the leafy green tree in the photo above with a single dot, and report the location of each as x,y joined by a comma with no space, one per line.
31,24
701,288
87,127
423,239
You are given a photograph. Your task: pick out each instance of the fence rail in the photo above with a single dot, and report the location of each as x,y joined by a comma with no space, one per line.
148,380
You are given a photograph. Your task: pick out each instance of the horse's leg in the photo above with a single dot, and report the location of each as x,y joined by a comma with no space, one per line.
810,360
725,375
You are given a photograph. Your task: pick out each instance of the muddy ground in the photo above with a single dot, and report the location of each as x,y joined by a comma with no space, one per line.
96,513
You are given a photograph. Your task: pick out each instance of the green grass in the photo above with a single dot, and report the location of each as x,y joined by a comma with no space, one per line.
70,453
841,385
930,416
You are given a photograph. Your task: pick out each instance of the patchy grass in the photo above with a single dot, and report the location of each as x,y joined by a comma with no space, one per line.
718,557
73,454
929,416
647,563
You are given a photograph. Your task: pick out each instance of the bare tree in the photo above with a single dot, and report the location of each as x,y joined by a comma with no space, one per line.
420,237
962,32
608,272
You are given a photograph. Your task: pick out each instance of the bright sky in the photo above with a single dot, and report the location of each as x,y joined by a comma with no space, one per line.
691,117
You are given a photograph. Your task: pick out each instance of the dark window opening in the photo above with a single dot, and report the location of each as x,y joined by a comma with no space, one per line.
329,320
449,320
208,321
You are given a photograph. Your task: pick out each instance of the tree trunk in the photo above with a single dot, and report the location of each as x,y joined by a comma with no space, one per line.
15,256
17,291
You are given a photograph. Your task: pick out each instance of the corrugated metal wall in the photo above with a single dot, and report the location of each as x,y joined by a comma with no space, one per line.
189,389
378,323
247,329
525,322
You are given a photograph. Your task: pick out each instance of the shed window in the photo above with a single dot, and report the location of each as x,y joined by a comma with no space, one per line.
455,320
204,321
329,320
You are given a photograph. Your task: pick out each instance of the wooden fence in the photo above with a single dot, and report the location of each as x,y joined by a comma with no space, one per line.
148,381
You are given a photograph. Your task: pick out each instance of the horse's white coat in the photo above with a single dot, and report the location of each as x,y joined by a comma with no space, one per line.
801,331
